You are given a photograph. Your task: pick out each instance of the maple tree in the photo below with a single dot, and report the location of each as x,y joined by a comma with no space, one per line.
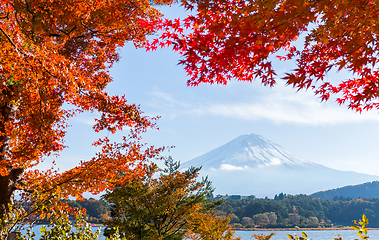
234,39
54,58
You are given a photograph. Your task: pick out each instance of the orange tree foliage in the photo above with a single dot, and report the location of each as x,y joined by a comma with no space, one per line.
54,57
207,226
234,39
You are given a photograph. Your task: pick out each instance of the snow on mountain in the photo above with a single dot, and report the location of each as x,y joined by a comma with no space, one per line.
253,165
247,151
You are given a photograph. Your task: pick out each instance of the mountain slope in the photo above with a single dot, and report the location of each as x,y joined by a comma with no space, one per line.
251,164
365,190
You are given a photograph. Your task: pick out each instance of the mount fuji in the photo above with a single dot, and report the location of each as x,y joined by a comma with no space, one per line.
253,165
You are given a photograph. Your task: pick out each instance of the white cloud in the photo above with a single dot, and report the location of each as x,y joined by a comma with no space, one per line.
282,105
231,167
90,121
165,104
165,97
252,102
275,161
307,113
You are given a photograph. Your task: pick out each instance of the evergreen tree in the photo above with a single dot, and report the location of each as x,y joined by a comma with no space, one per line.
165,204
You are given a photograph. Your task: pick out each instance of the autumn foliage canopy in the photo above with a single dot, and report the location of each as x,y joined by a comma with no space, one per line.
234,39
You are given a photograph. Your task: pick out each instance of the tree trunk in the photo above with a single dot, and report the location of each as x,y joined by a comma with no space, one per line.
14,236
8,183
7,188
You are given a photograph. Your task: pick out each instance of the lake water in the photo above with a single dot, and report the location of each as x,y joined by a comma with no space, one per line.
313,235
282,235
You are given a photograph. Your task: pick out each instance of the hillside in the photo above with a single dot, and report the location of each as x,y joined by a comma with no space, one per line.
365,190
96,210
300,210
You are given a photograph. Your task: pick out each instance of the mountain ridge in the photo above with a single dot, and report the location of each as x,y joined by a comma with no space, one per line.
253,165
254,151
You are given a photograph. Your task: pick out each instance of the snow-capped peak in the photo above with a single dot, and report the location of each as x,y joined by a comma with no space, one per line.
251,164
247,151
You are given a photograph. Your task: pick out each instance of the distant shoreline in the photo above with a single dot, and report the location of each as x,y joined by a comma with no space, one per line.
298,229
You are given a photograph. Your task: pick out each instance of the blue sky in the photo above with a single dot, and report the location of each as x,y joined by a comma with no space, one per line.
198,119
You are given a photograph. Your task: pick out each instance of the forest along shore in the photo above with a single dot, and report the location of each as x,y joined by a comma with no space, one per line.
298,229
